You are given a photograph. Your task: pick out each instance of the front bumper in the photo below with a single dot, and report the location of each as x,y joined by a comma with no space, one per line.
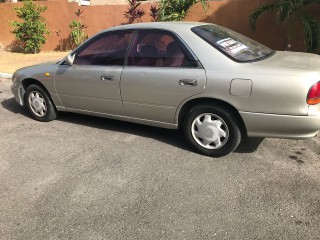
280,126
18,93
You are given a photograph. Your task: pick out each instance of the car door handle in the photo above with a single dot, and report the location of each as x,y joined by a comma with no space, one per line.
188,82
107,78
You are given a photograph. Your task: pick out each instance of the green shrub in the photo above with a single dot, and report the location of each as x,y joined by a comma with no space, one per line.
177,10
77,29
32,29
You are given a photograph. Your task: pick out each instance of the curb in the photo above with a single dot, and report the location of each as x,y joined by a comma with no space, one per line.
5,75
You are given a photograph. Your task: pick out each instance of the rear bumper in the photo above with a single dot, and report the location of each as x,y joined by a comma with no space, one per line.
280,126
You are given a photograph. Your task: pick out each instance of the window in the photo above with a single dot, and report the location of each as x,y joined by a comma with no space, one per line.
107,49
84,2
233,44
158,49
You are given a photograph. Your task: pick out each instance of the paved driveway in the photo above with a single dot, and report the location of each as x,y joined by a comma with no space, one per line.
89,178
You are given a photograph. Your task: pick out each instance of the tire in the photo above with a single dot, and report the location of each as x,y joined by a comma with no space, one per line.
211,130
39,104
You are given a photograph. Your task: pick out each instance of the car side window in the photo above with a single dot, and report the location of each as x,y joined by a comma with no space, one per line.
157,49
108,49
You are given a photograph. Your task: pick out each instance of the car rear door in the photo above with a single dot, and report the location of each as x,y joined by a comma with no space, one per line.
160,74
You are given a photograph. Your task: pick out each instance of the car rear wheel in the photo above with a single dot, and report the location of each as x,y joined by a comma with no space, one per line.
211,130
39,104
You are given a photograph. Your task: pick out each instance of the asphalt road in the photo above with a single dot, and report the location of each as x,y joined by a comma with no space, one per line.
82,177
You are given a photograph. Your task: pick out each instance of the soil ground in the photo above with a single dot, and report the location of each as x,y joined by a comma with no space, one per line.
10,62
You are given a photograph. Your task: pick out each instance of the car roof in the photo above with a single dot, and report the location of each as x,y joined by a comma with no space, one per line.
158,25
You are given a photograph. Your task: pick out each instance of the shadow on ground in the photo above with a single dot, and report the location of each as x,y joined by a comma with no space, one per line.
12,106
172,137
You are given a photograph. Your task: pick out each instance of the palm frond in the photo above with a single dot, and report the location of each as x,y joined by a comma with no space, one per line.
255,14
311,31
307,2
285,8
204,5
287,12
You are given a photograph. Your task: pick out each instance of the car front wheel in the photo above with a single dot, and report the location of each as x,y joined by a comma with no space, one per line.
39,104
211,130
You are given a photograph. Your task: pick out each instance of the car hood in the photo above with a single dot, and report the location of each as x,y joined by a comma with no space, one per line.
45,64
37,71
37,66
293,60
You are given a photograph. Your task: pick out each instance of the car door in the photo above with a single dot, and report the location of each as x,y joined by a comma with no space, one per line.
92,83
160,74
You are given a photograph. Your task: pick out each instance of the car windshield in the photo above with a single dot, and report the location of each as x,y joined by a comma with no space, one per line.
233,44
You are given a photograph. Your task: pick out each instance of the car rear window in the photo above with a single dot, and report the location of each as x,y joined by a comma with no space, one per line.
233,44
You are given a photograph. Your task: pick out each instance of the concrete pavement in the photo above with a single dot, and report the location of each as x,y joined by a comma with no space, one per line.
5,75
87,178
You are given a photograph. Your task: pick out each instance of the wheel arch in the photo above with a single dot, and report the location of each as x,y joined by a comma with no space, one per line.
187,106
29,81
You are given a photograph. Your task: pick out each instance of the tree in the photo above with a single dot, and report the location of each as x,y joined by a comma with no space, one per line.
177,10
291,13
32,29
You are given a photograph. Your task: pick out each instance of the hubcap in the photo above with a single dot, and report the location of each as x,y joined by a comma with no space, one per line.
210,131
37,104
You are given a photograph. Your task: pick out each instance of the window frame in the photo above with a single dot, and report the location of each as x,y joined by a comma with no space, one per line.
99,36
189,54
184,46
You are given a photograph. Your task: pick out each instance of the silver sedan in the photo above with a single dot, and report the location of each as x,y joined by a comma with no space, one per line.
213,83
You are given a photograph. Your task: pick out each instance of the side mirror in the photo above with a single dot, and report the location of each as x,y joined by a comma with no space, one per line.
70,59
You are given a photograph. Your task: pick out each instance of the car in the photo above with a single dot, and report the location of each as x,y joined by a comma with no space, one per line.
214,84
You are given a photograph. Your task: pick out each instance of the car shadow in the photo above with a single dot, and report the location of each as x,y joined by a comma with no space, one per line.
249,145
12,106
172,137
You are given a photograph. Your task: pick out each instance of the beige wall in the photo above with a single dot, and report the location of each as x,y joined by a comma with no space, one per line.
229,13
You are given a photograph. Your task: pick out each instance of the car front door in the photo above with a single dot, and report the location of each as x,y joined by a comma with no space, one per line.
92,83
160,74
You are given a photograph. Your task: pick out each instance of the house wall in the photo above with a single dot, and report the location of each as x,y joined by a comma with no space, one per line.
59,15
230,13
234,14
103,2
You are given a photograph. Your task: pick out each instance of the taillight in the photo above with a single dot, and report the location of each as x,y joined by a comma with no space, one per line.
314,94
